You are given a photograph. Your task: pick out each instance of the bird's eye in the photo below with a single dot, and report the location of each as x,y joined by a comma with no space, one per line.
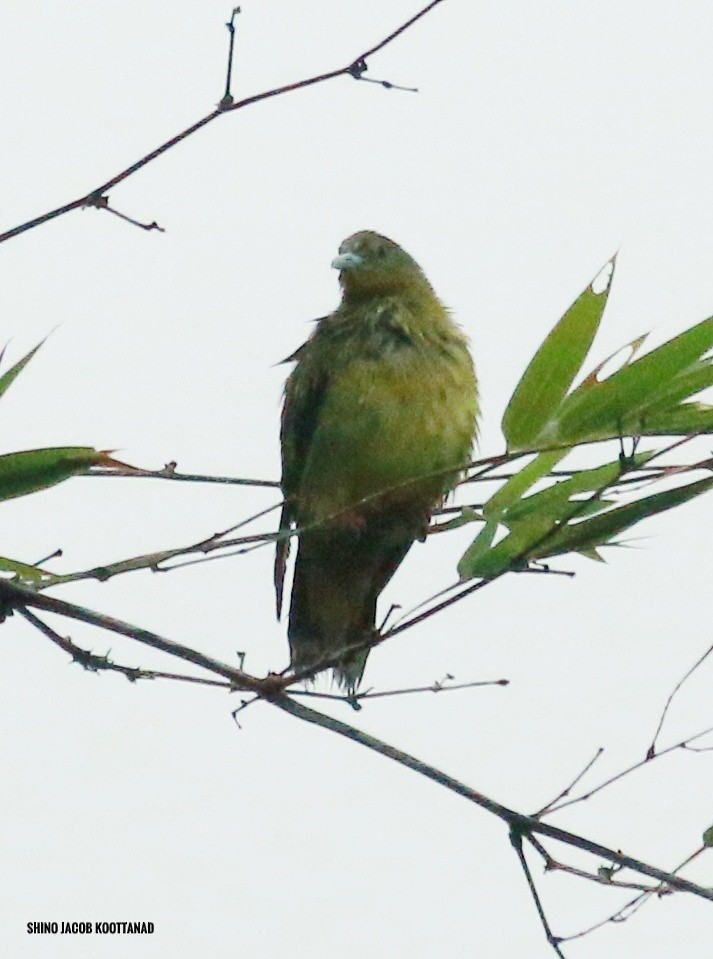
381,251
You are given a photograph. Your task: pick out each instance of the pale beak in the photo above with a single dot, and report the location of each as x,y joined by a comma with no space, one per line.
347,261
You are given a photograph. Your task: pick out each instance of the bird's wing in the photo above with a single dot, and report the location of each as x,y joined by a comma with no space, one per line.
305,392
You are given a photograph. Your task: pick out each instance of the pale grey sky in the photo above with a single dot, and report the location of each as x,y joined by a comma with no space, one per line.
544,137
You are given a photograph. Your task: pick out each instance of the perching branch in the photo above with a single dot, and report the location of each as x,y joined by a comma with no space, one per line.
525,825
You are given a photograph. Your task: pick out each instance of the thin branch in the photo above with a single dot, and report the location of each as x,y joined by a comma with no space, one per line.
98,196
633,905
524,824
227,96
93,663
651,752
156,561
554,941
683,744
438,687
128,219
602,877
169,473
18,597
568,789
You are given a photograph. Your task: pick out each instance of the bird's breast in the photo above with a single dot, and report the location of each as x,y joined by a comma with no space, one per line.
388,424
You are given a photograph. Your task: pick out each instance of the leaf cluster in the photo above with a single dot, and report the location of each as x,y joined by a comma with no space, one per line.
535,515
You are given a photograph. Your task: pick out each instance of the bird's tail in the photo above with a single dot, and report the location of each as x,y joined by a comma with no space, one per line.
339,575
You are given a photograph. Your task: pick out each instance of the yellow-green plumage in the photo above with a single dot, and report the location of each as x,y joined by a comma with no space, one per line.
378,421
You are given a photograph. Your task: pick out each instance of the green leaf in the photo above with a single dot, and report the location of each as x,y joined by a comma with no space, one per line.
552,370
708,837
698,377
591,533
7,378
478,548
683,420
31,470
592,554
520,482
510,554
554,500
24,571
616,406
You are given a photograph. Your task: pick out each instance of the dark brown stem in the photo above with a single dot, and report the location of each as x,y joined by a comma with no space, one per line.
525,825
98,196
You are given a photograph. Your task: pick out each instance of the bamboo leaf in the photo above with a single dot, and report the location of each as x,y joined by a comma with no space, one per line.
698,377
520,482
7,378
510,554
31,470
598,531
552,370
24,571
683,420
591,553
617,405
478,548
555,499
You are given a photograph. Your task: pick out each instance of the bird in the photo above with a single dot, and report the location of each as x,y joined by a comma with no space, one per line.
379,418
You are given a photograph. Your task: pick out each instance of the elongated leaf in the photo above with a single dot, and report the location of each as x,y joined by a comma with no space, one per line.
23,570
511,553
625,354
553,500
478,548
555,507
590,533
7,378
552,370
520,483
617,405
698,377
466,516
32,470
683,420
592,554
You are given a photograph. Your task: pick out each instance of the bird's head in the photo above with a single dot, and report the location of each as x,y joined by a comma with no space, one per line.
371,264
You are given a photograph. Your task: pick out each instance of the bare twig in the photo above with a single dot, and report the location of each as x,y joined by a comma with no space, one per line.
603,876
93,663
18,597
683,744
651,752
554,941
442,686
568,789
633,905
526,825
169,473
227,96
157,561
98,196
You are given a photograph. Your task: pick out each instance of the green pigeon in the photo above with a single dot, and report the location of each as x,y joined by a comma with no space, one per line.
378,423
